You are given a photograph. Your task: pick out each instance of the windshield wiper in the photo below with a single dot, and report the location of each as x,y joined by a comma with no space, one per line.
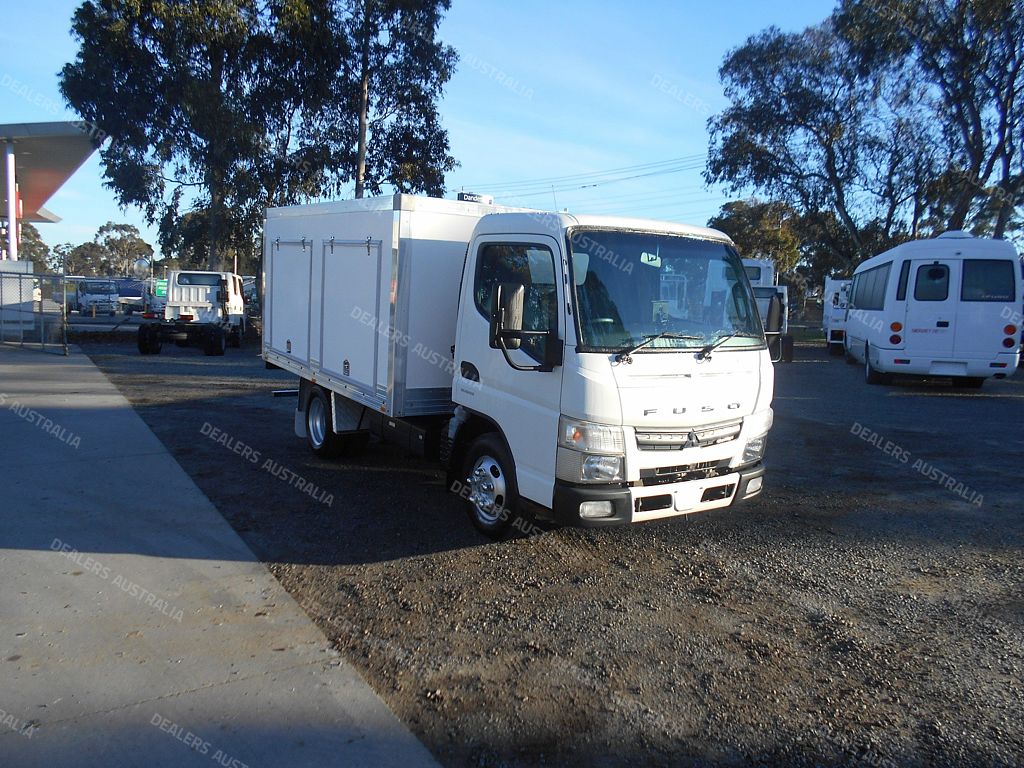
705,353
624,356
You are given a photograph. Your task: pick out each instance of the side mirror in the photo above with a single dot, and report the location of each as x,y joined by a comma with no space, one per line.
773,321
507,315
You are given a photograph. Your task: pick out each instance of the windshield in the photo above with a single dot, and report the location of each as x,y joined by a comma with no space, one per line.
631,286
98,288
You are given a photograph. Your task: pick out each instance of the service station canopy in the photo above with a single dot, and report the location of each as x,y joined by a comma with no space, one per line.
46,155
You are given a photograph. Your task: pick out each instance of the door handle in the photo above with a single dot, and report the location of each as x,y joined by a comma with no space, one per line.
942,324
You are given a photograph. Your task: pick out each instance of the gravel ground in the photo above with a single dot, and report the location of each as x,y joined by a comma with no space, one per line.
859,613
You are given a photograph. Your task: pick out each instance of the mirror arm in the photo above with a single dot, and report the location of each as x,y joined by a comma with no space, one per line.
508,357
545,367
769,334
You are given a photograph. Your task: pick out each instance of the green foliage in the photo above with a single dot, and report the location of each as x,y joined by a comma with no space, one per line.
123,246
971,55
110,253
891,120
32,248
218,109
761,231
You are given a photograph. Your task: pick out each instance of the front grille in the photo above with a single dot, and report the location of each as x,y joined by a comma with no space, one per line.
698,471
677,439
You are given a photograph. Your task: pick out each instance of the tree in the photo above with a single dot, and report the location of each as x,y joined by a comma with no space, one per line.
761,231
86,259
123,246
399,69
221,108
807,128
972,55
32,247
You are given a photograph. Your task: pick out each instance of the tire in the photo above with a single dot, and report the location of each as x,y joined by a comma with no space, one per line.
835,350
215,341
181,342
787,349
848,356
872,376
320,434
489,476
149,340
235,337
968,382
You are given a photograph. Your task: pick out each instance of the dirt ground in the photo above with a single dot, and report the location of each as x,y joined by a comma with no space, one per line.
863,611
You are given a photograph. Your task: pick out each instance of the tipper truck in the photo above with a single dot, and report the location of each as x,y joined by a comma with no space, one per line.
586,370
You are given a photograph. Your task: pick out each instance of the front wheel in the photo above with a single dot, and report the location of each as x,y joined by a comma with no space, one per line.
490,482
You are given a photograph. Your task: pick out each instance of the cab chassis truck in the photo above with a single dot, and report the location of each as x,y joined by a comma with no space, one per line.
585,370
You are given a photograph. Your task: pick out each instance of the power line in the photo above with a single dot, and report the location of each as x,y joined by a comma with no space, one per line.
532,187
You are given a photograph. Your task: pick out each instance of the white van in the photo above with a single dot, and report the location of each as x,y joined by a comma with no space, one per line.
936,308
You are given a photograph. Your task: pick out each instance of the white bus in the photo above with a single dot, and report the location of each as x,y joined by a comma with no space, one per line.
936,308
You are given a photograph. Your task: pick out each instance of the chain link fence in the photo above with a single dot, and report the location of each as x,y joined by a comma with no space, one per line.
33,311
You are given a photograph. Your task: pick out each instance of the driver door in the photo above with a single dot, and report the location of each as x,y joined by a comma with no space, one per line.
524,404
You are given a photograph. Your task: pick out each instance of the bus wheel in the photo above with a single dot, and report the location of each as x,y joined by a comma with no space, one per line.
871,376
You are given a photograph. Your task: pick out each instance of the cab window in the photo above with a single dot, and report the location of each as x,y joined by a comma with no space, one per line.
534,267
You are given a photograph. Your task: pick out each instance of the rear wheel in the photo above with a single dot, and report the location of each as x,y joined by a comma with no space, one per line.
787,349
835,350
319,426
149,340
493,496
216,341
871,375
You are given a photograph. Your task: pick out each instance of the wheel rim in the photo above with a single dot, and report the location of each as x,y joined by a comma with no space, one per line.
317,421
487,489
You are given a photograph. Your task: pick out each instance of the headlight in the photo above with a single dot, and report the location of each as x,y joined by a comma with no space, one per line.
759,422
754,450
587,437
602,469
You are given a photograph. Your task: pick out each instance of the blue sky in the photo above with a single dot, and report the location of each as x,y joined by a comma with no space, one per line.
543,91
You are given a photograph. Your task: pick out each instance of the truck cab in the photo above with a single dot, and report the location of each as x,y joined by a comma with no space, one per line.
97,297
615,371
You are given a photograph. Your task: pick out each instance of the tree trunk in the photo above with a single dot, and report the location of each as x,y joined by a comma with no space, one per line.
216,218
364,107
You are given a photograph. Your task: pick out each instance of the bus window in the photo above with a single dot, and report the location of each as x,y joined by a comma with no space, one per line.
987,280
932,283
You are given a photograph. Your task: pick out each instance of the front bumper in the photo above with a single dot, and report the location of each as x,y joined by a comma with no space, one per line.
637,503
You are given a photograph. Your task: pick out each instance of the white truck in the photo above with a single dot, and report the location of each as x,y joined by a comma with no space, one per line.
834,300
764,280
559,366
201,308
97,297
